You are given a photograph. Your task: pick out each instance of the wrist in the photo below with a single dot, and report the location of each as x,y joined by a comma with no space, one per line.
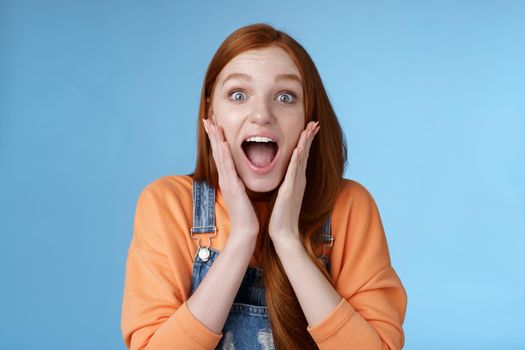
286,243
242,240
244,231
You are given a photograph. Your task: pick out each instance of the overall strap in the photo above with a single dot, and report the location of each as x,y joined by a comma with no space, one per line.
203,208
326,235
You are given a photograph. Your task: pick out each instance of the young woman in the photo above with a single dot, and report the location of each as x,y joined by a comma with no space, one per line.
265,245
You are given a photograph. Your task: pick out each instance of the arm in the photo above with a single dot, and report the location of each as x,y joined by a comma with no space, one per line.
213,299
315,293
154,315
372,300
366,309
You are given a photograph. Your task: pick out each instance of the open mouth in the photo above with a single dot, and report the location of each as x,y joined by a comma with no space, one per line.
260,151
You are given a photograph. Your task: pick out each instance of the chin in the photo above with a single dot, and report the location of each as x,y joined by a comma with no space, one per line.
263,184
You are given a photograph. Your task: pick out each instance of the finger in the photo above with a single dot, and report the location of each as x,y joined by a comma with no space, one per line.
207,127
297,159
216,138
292,168
303,162
211,137
227,155
225,164
215,145
295,163
306,154
311,136
301,141
221,150
301,144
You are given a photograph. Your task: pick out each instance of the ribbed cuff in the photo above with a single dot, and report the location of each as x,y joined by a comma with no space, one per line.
333,322
195,329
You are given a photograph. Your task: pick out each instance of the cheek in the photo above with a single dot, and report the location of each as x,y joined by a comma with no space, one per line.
228,123
230,136
293,135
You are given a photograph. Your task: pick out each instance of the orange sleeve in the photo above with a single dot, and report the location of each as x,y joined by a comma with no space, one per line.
371,312
154,315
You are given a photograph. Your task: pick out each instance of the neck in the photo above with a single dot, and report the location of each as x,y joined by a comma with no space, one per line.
259,196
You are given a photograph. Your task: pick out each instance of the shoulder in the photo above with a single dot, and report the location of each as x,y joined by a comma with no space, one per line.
167,191
163,210
355,205
358,228
354,194
169,185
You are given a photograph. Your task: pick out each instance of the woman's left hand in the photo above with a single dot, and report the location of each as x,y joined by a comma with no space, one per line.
284,223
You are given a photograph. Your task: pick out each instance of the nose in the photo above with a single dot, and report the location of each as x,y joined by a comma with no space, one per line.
261,112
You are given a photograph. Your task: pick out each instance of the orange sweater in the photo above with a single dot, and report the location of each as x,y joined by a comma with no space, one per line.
159,266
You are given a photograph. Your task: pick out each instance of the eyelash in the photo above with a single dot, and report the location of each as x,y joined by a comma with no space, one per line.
294,96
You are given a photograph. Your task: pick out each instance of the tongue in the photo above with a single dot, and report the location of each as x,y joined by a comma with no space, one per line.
260,154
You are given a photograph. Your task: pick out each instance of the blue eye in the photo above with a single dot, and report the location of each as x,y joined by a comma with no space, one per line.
289,97
236,94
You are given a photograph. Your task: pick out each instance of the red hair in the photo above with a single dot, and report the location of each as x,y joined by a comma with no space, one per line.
324,173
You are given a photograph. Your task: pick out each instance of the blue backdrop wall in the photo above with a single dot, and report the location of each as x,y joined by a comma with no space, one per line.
99,98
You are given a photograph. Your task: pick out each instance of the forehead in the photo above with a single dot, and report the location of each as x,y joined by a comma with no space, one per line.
266,62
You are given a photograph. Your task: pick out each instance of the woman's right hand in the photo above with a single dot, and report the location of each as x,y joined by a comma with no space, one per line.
243,219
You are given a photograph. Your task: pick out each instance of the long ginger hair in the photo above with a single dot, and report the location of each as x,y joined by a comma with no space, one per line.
324,173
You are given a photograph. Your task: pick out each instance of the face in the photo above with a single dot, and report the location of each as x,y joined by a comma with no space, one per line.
259,96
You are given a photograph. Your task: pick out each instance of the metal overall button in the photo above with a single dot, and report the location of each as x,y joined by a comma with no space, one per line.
203,252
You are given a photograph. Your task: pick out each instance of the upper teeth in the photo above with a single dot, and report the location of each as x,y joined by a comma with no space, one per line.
259,139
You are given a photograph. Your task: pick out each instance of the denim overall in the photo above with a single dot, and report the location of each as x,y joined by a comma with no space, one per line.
247,326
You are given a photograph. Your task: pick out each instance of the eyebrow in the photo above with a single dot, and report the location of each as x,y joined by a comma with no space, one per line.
280,77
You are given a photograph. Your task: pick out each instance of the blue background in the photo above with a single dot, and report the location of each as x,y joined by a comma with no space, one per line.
99,98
